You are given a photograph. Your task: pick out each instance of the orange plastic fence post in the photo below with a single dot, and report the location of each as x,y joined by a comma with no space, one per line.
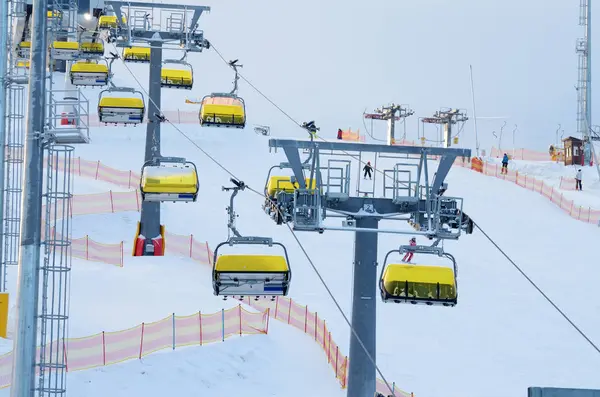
329,350
208,255
290,311
579,215
240,315
268,317
97,169
316,326
79,165
337,350
141,341
276,307
191,243
112,206
200,321
103,349
129,182
305,317
122,254
324,333
87,247
589,213
65,356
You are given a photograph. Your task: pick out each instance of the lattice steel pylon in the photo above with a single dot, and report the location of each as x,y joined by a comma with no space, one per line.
447,117
583,50
391,114
14,15
160,26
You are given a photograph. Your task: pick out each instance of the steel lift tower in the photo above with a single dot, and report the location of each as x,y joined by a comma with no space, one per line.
412,193
159,26
391,113
447,117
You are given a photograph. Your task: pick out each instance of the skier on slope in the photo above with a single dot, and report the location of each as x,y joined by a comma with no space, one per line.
409,255
367,169
578,178
505,164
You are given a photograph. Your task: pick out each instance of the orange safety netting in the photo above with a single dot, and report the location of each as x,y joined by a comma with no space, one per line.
588,215
108,348
353,136
521,154
297,315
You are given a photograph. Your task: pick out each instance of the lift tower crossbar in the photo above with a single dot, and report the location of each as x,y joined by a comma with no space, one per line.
411,196
391,113
447,117
161,26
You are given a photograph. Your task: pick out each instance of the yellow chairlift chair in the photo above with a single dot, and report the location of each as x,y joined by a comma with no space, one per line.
182,77
121,105
223,110
257,275
65,50
136,54
91,44
417,283
24,49
89,72
109,21
169,179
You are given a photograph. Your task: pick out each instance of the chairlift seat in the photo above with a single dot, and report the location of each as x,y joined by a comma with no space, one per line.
169,183
226,111
89,74
284,184
176,78
65,50
251,275
92,48
53,14
24,49
109,21
23,64
136,54
121,110
418,284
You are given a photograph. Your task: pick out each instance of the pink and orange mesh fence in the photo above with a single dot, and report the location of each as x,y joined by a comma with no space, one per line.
588,215
107,348
297,315
521,154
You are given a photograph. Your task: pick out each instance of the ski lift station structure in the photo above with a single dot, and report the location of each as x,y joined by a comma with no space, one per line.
321,189
178,30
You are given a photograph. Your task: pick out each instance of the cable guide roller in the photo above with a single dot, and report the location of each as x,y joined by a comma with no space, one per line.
121,105
416,283
169,179
181,76
258,275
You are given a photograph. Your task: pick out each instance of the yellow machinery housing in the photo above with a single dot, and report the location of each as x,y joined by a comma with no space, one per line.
419,284
284,184
89,47
169,181
136,54
223,110
126,107
89,73
65,50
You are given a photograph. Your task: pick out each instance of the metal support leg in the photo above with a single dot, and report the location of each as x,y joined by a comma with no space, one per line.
361,371
150,213
24,358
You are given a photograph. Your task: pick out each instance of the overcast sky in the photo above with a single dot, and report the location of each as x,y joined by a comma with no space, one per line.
329,60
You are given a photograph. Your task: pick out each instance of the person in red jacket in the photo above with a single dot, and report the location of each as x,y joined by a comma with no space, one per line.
340,134
409,255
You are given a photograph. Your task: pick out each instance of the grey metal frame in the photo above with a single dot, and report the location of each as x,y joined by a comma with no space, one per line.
362,216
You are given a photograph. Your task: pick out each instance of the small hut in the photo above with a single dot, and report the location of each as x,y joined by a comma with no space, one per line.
573,151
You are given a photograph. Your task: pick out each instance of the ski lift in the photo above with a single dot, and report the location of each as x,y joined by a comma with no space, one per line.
136,54
65,50
224,110
24,49
22,64
169,179
256,275
279,194
262,129
109,21
419,284
90,72
90,44
121,105
53,14
177,78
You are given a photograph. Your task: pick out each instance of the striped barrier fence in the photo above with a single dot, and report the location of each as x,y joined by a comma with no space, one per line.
107,348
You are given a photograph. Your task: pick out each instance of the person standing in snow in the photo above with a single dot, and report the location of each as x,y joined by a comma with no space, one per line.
340,134
409,255
505,164
368,170
578,178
